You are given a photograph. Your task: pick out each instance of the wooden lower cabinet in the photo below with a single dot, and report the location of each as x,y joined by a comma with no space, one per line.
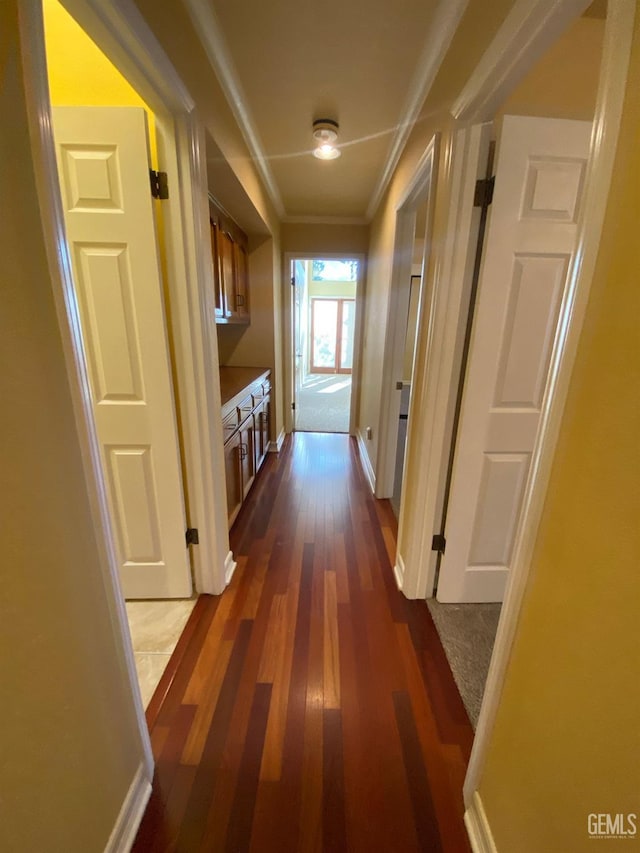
233,475
246,441
247,456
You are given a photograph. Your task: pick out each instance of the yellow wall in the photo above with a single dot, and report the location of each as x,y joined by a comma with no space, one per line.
564,82
80,74
69,740
567,735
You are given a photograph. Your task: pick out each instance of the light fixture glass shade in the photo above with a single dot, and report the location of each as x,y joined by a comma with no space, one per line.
326,152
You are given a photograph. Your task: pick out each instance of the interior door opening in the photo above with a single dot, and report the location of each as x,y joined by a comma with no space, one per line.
105,144
540,162
324,340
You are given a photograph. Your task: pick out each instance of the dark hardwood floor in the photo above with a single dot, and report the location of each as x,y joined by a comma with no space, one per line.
311,706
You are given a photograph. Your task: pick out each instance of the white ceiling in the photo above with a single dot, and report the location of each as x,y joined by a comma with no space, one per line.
366,63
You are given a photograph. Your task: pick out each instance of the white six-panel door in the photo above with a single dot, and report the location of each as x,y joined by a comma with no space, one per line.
103,166
540,171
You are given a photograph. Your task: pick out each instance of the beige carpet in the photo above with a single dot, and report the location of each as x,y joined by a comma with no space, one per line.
322,404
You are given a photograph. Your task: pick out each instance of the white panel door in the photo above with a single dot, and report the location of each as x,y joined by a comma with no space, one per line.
103,166
531,235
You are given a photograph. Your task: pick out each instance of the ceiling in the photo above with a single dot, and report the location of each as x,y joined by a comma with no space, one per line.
359,62
365,63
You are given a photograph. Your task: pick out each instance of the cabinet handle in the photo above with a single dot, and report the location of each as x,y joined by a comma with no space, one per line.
243,451
239,301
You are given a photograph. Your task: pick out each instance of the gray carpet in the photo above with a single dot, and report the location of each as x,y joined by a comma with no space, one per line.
467,632
323,403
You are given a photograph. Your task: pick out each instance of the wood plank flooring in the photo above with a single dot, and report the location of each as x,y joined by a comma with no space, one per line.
311,706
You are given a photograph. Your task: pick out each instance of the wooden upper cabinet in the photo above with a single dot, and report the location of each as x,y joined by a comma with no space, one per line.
217,282
242,283
230,266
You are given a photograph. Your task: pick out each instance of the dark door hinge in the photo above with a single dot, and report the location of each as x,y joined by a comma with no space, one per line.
484,192
438,543
293,407
293,281
192,536
159,184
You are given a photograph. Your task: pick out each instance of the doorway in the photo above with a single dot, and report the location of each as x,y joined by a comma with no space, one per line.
408,350
105,140
324,318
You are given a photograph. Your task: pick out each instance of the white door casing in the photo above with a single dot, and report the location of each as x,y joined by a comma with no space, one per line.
531,237
103,166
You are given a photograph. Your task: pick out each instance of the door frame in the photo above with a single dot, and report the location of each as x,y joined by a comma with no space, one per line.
288,307
420,189
122,34
526,33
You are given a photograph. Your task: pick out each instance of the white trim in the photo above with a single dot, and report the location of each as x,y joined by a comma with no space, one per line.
230,566
367,467
325,220
206,25
436,388
478,829
528,30
276,446
126,826
611,91
419,188
439,35
398,571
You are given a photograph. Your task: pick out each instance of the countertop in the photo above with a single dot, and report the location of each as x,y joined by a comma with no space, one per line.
235,380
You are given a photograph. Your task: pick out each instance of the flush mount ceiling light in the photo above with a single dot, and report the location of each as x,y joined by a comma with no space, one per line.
325,133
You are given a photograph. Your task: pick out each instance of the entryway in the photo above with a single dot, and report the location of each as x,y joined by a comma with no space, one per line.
105,139
324,335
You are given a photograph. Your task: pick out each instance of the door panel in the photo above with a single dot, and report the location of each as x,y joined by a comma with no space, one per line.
104,176
530,242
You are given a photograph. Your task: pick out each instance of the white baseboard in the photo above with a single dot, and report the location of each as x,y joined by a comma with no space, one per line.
478,829
126,826
366,462
398,571
229,568
276,446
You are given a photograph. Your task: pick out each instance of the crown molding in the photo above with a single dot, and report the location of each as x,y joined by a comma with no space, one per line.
325,220
208,28
527,31
446,20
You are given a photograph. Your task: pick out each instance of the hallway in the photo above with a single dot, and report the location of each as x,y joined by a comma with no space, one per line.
312,707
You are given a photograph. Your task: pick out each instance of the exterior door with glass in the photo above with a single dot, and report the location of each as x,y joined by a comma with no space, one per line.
332,330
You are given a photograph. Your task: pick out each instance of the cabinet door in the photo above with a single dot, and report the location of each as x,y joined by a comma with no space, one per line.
227,267
233,475
217,281
265,415
242,284
247,455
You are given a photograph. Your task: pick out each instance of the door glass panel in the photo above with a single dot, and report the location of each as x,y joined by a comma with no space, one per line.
325,328
346,334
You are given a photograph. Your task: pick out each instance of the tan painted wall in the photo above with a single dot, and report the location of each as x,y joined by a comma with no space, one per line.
68,739
315,239
567,736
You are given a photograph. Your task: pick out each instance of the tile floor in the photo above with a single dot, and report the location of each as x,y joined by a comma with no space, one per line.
155,629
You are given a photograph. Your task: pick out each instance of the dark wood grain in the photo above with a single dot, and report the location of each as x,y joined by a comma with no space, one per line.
310,707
